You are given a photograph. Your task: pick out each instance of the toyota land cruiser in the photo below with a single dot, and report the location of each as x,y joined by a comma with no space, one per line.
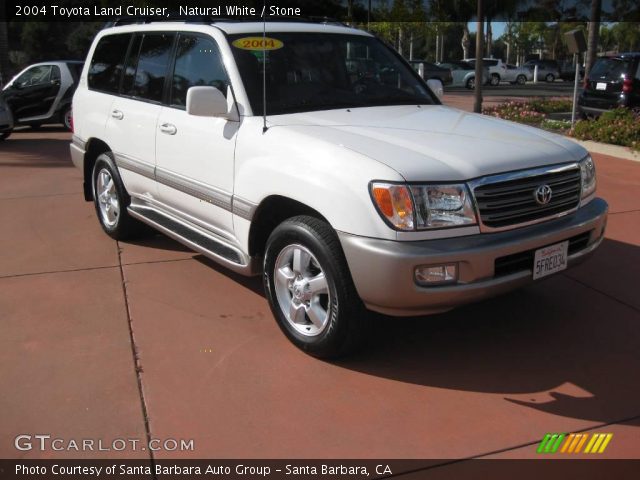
313,154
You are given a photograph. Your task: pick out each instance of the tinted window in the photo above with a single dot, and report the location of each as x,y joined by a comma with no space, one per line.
152,66
317,71
55,74
490,63
609,68
107,63
130,67
35,76
198,63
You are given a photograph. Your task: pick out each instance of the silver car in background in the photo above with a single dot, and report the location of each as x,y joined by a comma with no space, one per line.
519,75
464,74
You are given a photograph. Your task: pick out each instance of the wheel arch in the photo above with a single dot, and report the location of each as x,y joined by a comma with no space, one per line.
272,211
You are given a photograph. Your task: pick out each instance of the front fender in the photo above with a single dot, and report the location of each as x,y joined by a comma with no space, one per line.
329,178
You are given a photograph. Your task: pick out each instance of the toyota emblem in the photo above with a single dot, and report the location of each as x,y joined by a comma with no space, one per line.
542,194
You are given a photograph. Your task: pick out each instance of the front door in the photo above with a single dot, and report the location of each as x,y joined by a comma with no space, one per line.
32,94
194,155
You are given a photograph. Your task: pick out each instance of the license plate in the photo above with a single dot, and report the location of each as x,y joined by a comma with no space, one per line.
551,259
601,86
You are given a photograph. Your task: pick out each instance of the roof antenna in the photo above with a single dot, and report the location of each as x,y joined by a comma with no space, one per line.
264,66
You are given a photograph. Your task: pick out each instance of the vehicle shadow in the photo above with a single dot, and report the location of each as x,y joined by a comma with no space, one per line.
560,346
557,346
35,153
158,241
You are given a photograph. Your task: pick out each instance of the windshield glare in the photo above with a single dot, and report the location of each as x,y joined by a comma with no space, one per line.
319,71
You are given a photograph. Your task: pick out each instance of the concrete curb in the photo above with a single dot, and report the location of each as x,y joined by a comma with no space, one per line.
606,149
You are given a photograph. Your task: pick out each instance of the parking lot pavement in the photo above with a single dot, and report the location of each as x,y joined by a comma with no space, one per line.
486,379
462,98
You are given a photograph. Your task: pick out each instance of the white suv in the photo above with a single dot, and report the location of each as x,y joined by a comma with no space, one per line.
497,69
357,190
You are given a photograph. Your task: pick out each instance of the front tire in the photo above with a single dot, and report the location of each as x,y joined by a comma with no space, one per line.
5,135
550,78
521,80
495,79
111,200
310,290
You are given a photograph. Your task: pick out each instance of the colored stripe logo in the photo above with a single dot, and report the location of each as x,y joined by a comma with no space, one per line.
574,443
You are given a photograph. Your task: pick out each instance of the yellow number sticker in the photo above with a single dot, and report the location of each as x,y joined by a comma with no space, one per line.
258,43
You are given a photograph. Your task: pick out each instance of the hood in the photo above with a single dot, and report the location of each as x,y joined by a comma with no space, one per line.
434,142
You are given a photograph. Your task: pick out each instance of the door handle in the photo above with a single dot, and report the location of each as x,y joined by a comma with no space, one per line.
168,128
117,114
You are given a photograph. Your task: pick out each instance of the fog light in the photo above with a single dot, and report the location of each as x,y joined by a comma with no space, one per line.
436,274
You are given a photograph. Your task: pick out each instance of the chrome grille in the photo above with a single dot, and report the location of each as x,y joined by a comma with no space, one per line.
508,200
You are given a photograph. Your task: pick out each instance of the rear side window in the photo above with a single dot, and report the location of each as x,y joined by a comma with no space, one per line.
198,63
491,63
107,63
151,66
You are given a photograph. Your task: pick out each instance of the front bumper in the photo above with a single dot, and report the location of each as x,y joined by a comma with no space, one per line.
383,270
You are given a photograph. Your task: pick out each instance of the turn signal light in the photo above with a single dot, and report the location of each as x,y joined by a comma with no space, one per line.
394,203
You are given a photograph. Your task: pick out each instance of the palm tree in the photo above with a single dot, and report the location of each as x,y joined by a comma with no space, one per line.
592,41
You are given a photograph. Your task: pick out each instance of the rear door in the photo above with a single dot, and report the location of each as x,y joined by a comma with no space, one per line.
133,117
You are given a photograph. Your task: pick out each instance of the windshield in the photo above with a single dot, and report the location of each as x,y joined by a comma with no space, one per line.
319,71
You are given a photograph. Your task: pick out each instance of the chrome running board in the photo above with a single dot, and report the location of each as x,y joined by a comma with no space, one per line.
207,243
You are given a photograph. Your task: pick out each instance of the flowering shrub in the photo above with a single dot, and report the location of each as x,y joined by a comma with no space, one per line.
516,112
619,127
532,112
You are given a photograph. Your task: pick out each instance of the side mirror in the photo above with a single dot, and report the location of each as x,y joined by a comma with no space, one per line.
436,87
206,102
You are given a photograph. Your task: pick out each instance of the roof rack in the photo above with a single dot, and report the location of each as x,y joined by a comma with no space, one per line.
207,20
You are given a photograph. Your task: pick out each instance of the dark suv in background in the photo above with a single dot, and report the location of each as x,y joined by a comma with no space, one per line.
613,82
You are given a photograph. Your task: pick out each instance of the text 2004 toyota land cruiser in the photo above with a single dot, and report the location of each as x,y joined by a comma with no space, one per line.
363,190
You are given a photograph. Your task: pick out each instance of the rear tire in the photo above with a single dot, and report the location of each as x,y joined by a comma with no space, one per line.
310,290
550,78
5,135
521,80
495,79
66,118
471,83
111,200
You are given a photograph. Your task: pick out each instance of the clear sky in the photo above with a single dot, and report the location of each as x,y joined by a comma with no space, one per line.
496,27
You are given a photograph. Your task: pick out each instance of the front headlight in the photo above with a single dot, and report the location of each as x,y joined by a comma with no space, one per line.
588,176
421,207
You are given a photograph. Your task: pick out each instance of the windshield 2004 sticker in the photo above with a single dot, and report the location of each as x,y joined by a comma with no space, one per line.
258,43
